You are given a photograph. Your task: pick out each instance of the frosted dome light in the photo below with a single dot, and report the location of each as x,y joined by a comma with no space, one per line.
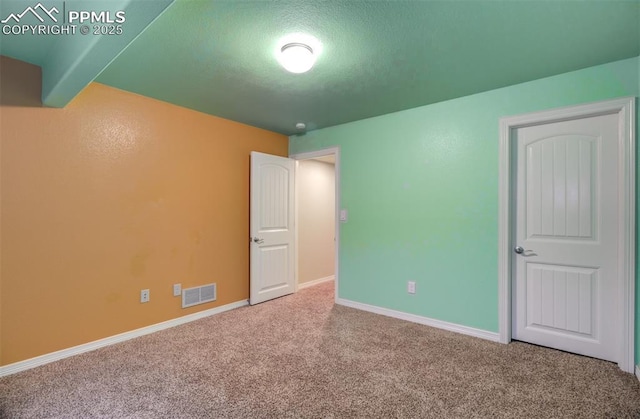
296,57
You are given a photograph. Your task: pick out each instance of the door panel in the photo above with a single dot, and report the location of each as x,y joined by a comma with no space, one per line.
272,231
273,267
274,184
560,188
561,298
565,280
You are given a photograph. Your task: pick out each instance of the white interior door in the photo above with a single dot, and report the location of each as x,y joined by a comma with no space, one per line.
565,285
272,231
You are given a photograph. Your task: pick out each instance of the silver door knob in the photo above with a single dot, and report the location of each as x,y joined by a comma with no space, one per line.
518,249
258,240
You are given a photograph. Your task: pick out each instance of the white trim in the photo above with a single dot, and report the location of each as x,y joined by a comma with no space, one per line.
439,324
638,372
318,281
311,155
625,108
504,234
296,232
100,343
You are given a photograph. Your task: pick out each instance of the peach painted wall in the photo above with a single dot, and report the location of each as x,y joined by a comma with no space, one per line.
110,195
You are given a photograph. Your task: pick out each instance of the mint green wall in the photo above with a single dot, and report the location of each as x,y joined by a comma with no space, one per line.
421,187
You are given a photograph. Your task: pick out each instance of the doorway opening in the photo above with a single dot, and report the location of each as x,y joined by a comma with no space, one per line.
316,214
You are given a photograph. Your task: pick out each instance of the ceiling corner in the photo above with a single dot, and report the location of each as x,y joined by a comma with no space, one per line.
75,61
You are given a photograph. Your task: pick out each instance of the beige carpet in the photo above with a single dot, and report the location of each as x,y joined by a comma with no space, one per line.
302,357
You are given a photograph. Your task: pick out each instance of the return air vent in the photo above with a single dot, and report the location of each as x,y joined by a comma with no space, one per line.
198,295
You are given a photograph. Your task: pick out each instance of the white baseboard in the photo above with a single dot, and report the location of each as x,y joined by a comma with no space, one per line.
316,282
452,327
96,344
638,372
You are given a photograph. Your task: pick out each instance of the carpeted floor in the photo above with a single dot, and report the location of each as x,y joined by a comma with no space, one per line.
302,357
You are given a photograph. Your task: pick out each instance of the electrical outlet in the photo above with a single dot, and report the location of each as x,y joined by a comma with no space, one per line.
144,296
411,287
177,290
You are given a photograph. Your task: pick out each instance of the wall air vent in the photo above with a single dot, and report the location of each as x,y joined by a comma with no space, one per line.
198,295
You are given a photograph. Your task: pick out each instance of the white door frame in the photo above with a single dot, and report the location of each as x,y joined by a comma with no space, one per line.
625,109
312,155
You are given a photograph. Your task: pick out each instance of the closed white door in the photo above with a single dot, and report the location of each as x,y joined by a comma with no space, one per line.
565,261
271,227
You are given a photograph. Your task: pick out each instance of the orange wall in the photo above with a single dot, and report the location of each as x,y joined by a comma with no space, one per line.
110,195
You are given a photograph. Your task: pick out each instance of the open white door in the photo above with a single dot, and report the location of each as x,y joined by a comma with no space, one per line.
272,231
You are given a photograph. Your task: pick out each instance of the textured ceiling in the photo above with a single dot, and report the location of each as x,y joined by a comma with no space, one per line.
378,56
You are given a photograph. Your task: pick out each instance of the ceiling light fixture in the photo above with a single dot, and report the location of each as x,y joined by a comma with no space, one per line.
296,57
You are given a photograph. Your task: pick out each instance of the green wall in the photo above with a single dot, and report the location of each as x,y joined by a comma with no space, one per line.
421,187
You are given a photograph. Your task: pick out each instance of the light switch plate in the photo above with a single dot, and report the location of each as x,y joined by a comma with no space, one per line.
343,215
411,287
